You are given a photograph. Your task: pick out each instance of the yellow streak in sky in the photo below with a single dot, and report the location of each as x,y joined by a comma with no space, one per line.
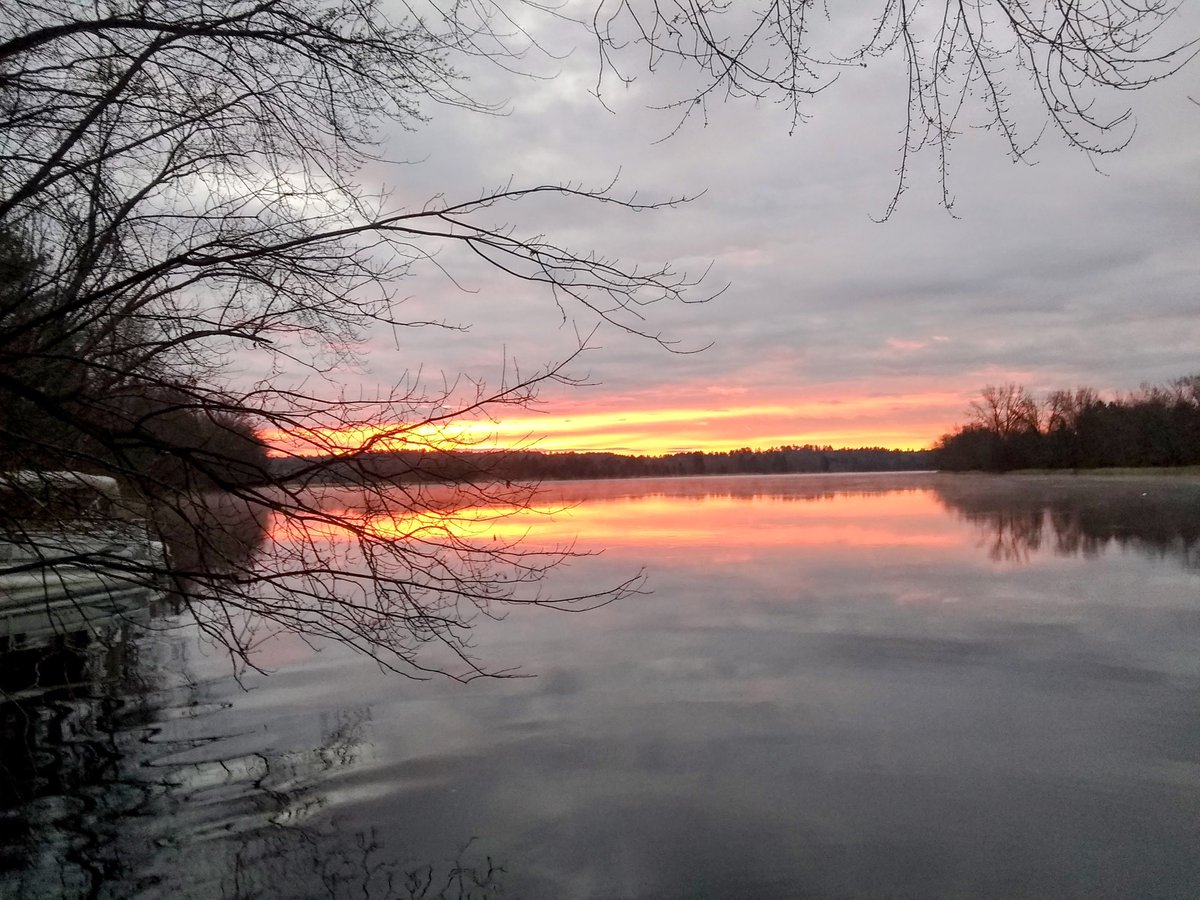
910,421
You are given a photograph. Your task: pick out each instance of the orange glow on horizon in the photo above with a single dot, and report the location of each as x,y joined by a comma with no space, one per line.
902,422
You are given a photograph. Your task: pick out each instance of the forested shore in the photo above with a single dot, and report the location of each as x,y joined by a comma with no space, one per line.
533,465
1157,426
1008,428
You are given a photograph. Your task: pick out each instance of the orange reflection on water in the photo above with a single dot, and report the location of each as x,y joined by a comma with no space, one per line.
732,522
482,523
901,519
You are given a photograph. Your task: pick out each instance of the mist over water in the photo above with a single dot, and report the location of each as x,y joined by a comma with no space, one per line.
901,685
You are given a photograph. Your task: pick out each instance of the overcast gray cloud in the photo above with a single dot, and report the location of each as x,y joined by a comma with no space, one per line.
1053,274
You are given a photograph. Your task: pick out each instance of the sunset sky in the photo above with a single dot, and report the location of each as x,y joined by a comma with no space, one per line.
834,328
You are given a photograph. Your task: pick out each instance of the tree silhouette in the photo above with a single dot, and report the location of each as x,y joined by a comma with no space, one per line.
181,185
1156,426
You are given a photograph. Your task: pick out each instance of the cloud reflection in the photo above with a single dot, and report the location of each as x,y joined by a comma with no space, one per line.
736,519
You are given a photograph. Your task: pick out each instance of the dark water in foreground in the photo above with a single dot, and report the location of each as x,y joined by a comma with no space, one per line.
909,685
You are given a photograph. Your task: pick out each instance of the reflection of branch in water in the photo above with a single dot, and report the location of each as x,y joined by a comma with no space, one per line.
289,864
1013,537
1071,537
1157,517
255,820
398,572
60,760
111,787
210,534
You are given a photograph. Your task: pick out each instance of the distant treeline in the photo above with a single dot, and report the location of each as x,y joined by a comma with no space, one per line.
532,465
1156,426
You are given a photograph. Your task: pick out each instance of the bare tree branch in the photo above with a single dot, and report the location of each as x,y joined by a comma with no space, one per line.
180,183
1069,58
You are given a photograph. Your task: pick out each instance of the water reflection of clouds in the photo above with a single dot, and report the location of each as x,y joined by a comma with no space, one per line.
805,549
764,523
1011,519
786,715
740,525
830,692
711,524
791,713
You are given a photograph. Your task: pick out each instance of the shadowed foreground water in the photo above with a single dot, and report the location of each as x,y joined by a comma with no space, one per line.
840,686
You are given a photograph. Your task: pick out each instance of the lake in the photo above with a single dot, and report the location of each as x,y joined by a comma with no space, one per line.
909,685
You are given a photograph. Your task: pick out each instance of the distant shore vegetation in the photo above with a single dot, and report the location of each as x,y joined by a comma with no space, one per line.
1008,429
1156,426
534,465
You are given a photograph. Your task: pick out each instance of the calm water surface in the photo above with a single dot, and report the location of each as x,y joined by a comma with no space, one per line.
917,685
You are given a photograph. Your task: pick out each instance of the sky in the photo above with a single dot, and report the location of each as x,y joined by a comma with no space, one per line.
828,327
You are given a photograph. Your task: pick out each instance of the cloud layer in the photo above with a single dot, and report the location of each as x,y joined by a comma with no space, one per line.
834,328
